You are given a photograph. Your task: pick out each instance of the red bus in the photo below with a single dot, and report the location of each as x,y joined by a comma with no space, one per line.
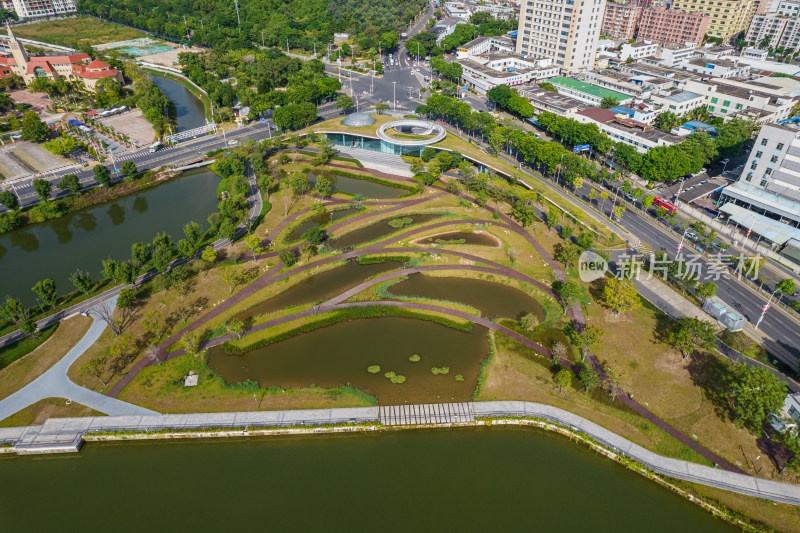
660,202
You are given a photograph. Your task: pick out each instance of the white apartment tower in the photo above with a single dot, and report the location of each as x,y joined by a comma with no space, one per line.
565,30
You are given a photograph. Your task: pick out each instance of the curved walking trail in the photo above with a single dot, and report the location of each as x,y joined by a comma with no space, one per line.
574,310
55,384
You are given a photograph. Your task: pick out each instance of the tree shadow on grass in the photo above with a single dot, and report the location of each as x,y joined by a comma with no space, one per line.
709,372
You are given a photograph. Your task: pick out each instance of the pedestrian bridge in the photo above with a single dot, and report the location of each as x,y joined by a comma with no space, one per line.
191,134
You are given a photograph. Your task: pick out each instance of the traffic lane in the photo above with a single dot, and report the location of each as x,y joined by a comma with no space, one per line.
748,304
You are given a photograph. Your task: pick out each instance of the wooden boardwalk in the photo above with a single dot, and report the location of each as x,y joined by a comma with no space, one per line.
428,413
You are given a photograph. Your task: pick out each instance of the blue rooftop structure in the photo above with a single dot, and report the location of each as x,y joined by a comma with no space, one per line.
622,110
700,126
513,33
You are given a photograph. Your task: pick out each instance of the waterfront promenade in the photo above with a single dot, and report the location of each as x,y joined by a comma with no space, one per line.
66,434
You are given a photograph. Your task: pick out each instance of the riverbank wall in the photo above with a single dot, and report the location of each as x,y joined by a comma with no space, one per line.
60,435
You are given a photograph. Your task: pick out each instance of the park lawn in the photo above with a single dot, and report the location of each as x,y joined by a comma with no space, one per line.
685,394
209,290
778,516
155,388
24,370
40,411
25,345
75,32
516,372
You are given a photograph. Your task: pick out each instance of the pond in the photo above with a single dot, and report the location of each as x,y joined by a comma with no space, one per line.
379,229
498,479
473,238
366,188
493,299
342,353
321,219
81,240
319,287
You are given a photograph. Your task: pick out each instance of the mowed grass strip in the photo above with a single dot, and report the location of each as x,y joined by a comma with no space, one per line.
82,30
33,363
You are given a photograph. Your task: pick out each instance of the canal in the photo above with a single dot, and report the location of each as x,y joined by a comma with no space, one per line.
190,112
56,248
498,479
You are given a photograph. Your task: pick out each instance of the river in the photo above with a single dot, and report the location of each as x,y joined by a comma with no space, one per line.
499,479
56,248
190,112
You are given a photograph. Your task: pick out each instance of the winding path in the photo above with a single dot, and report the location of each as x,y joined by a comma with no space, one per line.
575,311
55,384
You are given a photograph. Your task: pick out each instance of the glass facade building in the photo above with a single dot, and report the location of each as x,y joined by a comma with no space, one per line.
376,145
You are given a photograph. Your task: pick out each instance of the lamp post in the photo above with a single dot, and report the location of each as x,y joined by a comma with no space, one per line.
680,244
394,95
558,168
765,308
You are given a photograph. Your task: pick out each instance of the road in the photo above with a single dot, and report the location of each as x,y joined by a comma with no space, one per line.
144,160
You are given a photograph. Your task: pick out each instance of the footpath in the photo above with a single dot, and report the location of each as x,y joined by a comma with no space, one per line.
67,434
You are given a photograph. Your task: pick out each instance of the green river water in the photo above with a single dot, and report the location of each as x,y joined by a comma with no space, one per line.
449,480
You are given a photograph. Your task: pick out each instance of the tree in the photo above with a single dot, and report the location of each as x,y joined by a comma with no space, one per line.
608,102
667,121
191,343
381,107
235,327
71,183
563,380
344,102
585,240
94,368
43,189
9,200
209,256
315,235
786,286
754,393
647,201
109,269
706,290
61,145
324,186
566,253
33,129
232,275
529,321
568,292
287,257
690,333
140,255
127,297
81,281
102,175
253,244
620,295
589,377
129,168
553,216
587,339
46,291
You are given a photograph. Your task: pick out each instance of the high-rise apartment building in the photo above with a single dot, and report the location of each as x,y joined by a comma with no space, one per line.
779,27
27,9
727,17
665,26
620,20
567,31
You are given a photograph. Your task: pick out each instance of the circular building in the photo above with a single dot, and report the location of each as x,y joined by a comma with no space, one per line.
358,120
411,132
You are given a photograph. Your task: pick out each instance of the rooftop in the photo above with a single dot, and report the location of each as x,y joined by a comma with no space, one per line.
682,97
549,98
589,88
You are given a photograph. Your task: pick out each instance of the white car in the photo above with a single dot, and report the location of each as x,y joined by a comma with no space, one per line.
233,142
691,235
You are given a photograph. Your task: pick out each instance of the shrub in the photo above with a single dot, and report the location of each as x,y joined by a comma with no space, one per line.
459,377
414,358
440,370
374,369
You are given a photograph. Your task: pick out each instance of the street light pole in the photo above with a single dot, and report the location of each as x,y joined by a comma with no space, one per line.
558,169
765,308
394,95
680,244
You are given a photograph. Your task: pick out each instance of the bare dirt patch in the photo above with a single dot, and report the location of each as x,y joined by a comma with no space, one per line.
48,408
169,59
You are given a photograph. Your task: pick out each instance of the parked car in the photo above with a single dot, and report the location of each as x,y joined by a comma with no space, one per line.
691,235
233,142
629,197
725,161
